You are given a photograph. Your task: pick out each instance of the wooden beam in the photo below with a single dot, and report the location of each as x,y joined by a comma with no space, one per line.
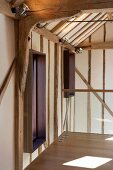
88,90
76,34
75,27
56,73
62,85
6,9
50,36
104,74
76,39
48,93
15,3
90,32
88,95
47,34
95,93
67,25
59,26
97,46
58,8
5,83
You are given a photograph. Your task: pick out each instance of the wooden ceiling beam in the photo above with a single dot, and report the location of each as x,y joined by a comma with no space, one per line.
97,46
6,9
67,5
15,3
50,10
59,26
50,36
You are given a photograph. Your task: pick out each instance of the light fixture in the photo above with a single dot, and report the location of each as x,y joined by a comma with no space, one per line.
20,10
88,162
78,50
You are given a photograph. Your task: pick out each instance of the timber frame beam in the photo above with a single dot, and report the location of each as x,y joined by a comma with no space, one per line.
50,36
97,46
5,9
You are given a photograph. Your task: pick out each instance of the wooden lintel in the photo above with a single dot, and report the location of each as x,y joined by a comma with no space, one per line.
88,90
101,45
6,9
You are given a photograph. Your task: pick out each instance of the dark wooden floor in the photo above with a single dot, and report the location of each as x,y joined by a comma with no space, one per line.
74,146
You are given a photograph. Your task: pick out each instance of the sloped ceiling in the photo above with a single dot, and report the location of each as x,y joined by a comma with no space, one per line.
76,32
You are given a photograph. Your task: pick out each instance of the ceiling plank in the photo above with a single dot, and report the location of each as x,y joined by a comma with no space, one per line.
91,31
76,34
50,36
76,26
6,9
68,24
59,26
87,30
101,45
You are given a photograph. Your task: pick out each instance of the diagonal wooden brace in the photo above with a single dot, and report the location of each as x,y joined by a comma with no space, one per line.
97,96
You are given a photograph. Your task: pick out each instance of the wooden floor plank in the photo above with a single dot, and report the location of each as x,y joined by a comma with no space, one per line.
71,147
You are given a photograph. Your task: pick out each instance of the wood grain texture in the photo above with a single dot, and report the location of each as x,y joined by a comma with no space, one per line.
89,95
75,146
62,86
96,46
88,90
6,81
48,93
56,73
5,9
104,67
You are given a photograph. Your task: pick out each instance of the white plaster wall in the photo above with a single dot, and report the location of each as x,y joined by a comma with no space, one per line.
7,54
97,83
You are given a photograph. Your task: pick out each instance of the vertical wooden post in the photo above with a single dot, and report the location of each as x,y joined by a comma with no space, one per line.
62,87
103,79
18,108
74,103
56,71
88,95
41,50
70,115
48,92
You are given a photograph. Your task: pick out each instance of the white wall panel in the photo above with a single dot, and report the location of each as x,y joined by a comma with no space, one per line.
7,54
81,62
81,112
96,115
35,41
97,69
109,69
